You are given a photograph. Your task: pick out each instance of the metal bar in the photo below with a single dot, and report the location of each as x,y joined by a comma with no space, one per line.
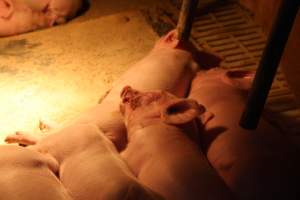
186,17
269,63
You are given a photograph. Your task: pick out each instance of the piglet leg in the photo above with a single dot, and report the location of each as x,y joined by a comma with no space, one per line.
22,138
25,139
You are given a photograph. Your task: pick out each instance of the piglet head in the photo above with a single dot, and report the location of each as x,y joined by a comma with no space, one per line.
145,108
18,17
139,106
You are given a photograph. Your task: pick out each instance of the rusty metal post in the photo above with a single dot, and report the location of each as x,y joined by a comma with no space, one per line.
186,17
269,63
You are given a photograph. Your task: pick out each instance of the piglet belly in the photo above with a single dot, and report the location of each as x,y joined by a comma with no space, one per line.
25,175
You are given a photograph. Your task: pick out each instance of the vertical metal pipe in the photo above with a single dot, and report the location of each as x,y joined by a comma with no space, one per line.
186,17
269,63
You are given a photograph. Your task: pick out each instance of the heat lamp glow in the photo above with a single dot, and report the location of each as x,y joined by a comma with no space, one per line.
56,76
26,105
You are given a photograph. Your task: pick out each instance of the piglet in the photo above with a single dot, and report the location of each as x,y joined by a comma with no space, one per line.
254,164
160,148
88,164
29,175
169,66
20,16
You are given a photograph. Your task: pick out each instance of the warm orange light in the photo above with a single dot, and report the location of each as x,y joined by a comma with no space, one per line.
22,106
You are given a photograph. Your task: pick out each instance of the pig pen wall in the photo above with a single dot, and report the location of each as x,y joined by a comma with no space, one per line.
264,12
58,73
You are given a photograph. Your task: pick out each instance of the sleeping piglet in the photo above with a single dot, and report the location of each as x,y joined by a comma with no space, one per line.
87,164
254,164
20,16
29,175
160,148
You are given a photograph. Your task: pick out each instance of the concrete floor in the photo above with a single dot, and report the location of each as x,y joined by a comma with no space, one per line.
57,73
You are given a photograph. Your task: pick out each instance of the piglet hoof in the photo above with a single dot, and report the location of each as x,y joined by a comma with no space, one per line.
21,138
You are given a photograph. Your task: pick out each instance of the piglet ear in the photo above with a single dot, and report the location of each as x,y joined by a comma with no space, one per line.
181,111
169,40
205,118
6,9
127,93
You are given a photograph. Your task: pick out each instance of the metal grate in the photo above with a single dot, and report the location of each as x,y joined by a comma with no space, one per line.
228,30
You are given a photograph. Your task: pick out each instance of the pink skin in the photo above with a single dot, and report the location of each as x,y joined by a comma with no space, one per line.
6,8
160,150
88,165
20,16
254,164
166,67
29,175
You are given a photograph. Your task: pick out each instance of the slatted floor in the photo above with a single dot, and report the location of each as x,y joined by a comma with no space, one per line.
229,31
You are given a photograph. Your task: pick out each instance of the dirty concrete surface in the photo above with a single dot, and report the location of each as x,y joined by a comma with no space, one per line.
55,74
